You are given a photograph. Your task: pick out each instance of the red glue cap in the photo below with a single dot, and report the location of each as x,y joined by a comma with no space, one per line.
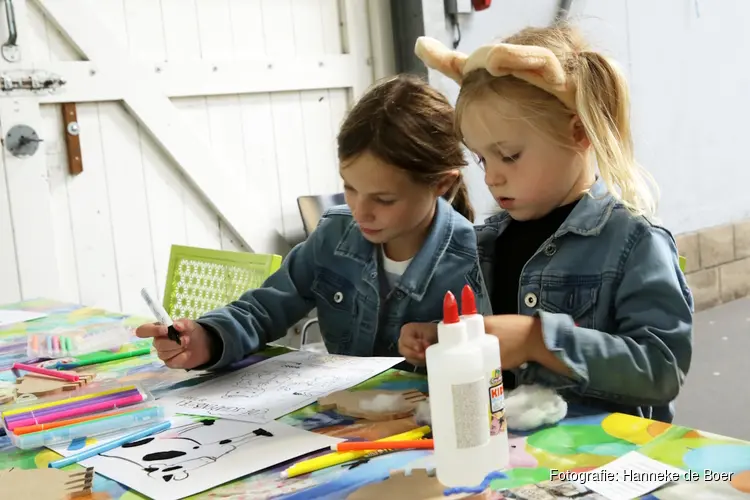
450,309
468,302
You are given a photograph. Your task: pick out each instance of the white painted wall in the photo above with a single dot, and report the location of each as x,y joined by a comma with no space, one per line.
690,91
113,225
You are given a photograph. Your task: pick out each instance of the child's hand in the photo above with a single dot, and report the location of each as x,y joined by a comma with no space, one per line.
194,350
415,339
520,338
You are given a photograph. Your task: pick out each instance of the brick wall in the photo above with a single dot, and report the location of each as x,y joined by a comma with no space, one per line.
718,263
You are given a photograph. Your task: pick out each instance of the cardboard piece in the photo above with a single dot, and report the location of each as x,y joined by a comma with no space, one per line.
419,485
350,403
46,483
42,385
7,395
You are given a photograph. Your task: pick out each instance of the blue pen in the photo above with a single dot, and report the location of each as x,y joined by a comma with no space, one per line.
92,452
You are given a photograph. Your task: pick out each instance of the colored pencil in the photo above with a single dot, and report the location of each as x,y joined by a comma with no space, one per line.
69,406
95,450
70,377
61,423
74,412
104,358
419,444
30,408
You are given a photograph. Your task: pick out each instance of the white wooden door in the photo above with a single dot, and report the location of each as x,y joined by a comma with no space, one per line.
200,123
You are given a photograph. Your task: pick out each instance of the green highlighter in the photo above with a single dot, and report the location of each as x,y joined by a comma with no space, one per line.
102,357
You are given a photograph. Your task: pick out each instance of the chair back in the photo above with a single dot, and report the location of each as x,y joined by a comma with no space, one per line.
200,279
311,208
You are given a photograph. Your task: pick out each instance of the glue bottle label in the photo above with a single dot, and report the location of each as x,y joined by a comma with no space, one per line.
468,407
497,403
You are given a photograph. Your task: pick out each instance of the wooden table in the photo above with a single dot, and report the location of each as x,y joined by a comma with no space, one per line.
578,443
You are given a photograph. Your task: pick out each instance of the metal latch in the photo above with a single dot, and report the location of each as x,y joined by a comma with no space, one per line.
35,81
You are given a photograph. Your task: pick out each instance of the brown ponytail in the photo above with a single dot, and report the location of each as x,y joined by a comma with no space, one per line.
410,125
458,196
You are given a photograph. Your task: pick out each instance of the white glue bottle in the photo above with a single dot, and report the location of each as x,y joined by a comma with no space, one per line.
458,403
490,348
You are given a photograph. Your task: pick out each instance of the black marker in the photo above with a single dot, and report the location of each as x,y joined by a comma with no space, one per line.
161,316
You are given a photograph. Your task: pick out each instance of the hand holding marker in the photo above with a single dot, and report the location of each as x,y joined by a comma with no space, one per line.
161,316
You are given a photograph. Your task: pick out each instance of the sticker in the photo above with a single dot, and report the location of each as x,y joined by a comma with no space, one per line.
497,403
470,426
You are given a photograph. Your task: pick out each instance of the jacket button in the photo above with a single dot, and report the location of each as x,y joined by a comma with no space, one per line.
530,300
373,275
550,250
399,294
338,297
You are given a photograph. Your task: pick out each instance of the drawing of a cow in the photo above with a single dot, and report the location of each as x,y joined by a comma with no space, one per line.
172,455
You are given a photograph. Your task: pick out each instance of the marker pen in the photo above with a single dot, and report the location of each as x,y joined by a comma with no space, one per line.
161,316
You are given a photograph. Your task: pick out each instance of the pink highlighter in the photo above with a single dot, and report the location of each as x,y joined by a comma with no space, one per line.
75,412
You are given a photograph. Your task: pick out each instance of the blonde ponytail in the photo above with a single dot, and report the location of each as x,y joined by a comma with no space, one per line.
603,105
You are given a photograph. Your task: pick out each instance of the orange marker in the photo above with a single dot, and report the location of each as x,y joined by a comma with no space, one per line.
419,444
62,423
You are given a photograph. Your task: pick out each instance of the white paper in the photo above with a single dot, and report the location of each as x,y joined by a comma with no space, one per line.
10,316
272,388
192,457
630,476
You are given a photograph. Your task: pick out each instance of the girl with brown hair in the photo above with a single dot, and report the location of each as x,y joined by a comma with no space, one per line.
404,238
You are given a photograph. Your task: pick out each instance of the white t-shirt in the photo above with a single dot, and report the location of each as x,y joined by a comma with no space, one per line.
393,269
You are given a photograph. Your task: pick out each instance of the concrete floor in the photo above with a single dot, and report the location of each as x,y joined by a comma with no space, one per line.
715,397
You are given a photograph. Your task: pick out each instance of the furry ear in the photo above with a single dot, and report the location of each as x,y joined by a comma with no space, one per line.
437,56
537,65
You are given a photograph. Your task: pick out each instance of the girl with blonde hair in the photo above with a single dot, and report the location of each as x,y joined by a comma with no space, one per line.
586,290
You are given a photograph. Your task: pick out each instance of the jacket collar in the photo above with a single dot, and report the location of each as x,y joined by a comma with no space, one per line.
588,217
418,275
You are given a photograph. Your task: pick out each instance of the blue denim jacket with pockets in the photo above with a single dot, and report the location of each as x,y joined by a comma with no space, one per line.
337,271
614,306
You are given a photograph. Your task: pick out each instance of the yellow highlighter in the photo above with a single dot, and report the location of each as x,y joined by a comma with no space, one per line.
49,404
337,458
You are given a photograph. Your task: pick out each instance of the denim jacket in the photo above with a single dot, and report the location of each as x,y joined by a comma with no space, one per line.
614,307
337,271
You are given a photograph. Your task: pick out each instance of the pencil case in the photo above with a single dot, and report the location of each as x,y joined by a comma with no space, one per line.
77,341
93,410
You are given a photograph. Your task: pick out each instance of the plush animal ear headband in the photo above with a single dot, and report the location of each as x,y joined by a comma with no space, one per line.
537,65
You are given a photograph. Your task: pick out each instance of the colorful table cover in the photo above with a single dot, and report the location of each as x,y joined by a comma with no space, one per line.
578,443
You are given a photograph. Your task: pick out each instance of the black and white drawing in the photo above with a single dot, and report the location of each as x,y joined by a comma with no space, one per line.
173,455
267,390
197,454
